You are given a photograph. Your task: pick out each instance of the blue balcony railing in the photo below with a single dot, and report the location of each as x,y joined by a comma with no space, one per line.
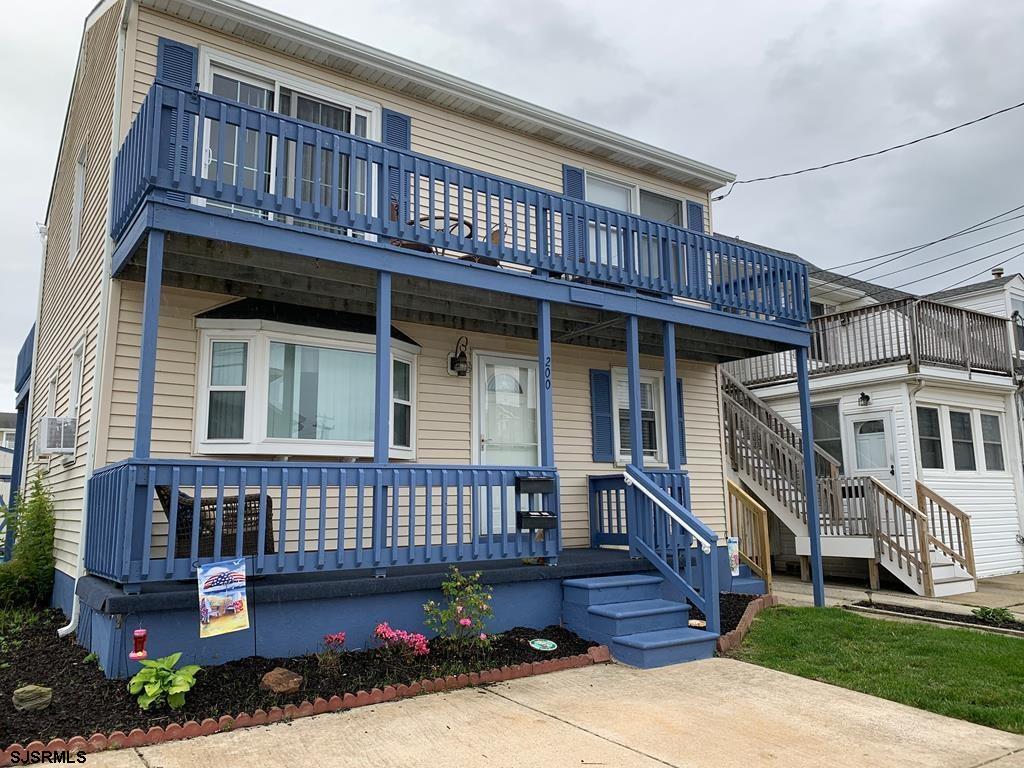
186,146
23,367
154,520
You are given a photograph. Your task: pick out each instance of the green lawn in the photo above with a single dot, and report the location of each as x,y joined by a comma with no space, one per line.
954,672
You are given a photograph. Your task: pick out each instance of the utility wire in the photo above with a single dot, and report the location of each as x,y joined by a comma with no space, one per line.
984,224
951,253
868,154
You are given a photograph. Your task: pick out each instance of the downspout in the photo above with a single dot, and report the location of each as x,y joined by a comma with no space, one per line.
101,331
916,387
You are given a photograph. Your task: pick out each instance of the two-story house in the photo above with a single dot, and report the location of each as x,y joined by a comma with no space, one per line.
315,305
915,407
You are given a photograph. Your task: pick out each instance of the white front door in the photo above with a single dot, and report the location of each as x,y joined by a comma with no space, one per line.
871,442
507,429
507,416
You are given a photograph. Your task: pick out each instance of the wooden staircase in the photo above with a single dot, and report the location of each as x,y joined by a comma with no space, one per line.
926,546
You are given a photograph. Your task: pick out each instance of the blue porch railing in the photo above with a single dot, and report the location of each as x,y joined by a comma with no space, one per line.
299,174
153,520
23,367
663,530
609,504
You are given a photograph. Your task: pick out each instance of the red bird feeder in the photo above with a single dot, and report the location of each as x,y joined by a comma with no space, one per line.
139,653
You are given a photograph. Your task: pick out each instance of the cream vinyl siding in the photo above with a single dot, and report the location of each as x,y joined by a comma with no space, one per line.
444,416
70,298
435,131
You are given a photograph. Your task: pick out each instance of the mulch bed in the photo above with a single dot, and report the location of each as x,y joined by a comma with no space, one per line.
731,606
86,702
962,618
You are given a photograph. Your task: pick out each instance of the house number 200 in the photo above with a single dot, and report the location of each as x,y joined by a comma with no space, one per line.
547,372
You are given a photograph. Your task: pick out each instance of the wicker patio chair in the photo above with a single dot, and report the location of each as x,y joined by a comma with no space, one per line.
229,521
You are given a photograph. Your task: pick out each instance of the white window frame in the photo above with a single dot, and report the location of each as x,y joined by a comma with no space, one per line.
259,334
945,433
77,203
982,442
75,392
620,385
395,400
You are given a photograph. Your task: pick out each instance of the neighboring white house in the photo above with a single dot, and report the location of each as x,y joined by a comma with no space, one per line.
922,395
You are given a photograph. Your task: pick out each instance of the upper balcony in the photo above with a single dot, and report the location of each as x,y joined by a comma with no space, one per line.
914,332
202,152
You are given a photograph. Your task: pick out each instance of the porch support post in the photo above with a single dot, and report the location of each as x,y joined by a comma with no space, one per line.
636,443
382,402
810,480
382,418
672,405
147,350
547,438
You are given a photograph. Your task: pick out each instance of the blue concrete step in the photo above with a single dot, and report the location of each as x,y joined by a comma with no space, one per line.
748,585
662,647
613,619
611,589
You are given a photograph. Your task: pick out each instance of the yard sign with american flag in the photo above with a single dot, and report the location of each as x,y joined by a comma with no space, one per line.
222,604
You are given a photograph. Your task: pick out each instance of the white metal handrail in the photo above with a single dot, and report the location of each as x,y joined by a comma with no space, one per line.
705,545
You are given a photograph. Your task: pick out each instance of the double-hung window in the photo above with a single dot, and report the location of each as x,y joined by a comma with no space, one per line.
992,442
269,388
827,432
929,437
652,416
961,434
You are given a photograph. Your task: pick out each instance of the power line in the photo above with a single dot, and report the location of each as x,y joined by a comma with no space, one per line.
947,255
903,252
978,274
868,154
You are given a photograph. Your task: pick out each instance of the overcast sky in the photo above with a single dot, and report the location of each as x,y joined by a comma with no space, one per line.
753,87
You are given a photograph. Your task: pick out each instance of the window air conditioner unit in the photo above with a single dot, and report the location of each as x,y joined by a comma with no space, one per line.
58,435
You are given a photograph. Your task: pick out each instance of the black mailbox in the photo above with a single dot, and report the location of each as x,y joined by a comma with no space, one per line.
535,485
536,520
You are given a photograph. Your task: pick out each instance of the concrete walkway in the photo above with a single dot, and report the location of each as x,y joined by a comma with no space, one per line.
997,592
718,712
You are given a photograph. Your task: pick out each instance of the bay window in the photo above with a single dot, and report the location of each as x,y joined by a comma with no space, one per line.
271,388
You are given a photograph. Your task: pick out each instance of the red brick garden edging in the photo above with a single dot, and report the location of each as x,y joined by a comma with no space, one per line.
732,639
175,731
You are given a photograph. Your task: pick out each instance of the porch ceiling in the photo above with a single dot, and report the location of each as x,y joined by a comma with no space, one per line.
236,270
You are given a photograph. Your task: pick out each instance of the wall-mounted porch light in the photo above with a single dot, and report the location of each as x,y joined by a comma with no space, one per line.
864,398
458,361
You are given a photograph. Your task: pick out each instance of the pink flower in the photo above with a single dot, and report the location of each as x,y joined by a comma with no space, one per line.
335,641
465,622
415,642
483,636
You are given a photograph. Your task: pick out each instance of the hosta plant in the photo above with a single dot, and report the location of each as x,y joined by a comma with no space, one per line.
158,679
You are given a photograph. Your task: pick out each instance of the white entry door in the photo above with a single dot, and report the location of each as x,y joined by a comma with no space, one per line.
871,443
507,427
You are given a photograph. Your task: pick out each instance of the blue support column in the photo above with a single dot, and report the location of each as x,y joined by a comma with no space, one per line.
672,437
810,480
382,414
147,349
634,501
547,438
636,443
382,401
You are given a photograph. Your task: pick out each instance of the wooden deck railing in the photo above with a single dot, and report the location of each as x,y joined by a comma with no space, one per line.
304,517
948,526
748,522
914,331
901,534
308,174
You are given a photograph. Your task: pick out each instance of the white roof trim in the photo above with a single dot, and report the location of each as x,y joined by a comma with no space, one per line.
330,43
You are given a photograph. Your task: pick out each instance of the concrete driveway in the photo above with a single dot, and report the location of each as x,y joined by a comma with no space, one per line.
717,712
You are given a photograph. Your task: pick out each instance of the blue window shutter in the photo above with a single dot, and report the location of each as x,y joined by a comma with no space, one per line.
177,63
682,423
396,131
575,233
572,183
601,416
694,216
